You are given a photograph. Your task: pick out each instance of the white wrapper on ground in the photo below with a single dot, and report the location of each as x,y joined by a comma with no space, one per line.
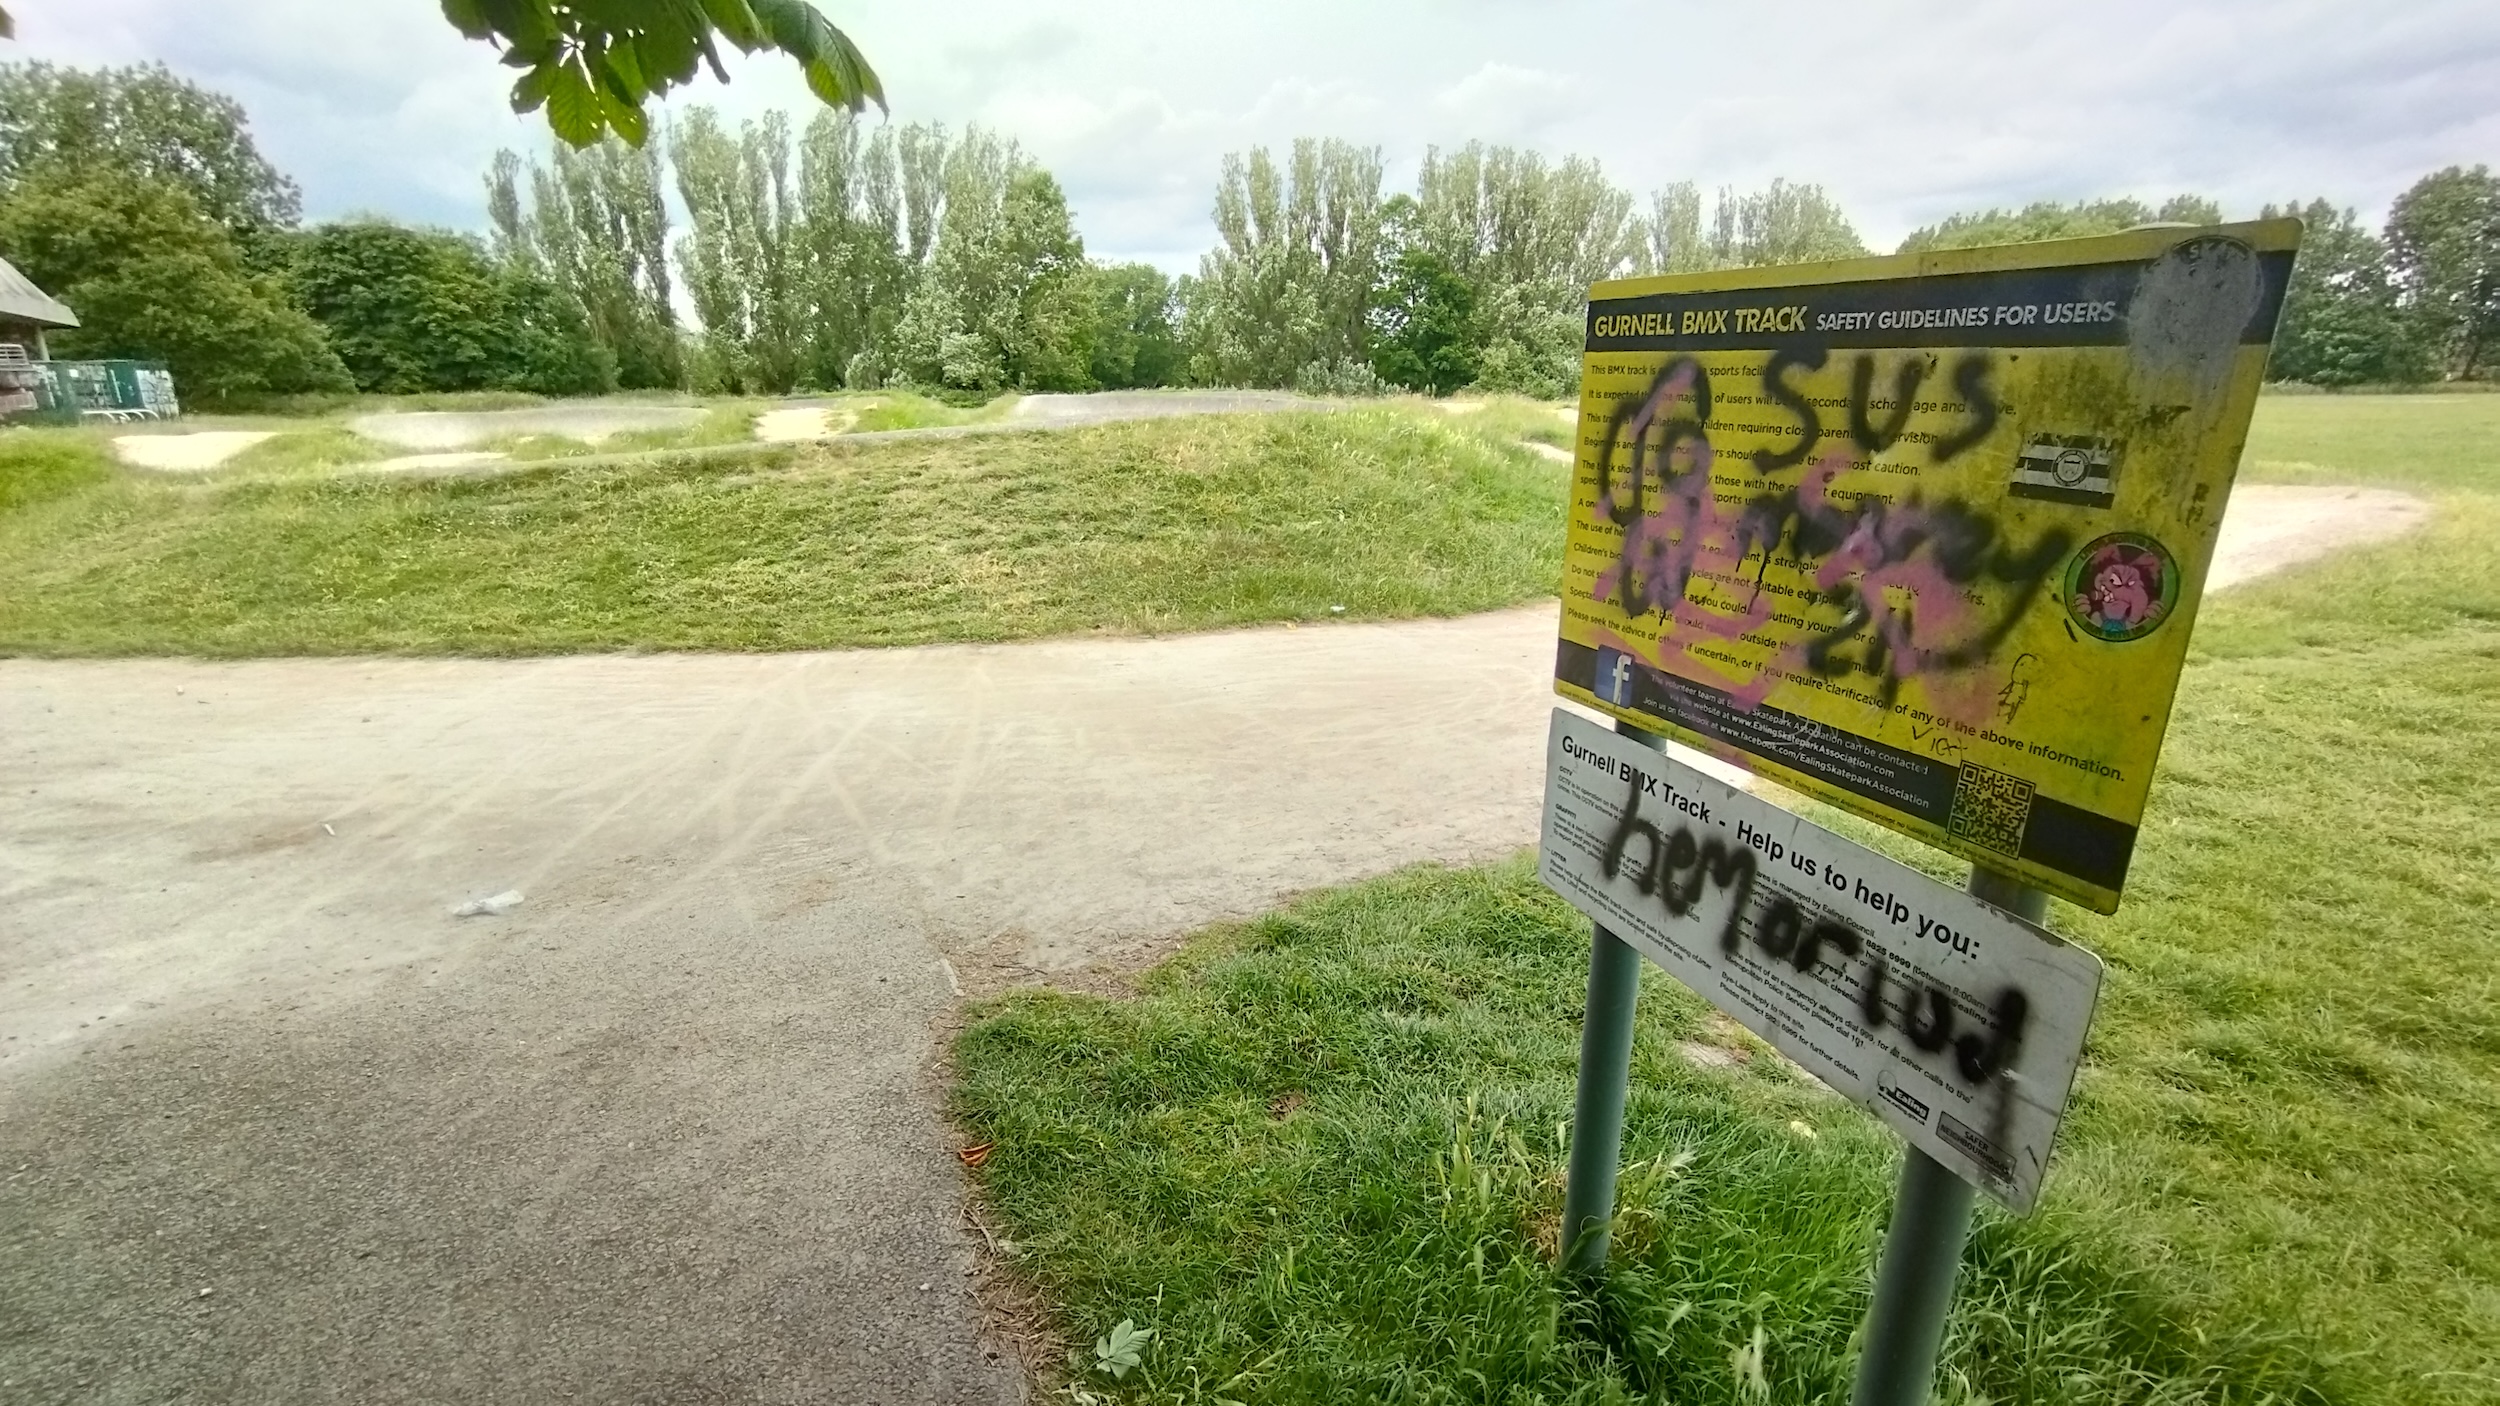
490,906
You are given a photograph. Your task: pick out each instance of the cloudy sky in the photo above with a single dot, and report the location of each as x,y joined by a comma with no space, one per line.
1906,110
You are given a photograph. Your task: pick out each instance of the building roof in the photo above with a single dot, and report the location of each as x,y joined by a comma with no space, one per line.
22,301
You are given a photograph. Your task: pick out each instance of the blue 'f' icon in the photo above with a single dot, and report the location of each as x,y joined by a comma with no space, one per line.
1614,677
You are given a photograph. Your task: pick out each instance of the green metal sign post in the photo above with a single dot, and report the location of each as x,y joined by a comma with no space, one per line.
1605,1079
1597,1109
1923,1247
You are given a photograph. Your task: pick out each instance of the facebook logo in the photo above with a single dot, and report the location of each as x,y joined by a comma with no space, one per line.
1614,677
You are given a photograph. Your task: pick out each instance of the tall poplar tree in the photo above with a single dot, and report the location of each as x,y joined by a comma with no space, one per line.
1291,286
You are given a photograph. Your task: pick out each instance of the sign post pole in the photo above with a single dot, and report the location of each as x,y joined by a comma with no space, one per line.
1597,1111
1605,1079
1923,1248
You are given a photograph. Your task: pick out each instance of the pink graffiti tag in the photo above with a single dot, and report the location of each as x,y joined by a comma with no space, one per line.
1901,575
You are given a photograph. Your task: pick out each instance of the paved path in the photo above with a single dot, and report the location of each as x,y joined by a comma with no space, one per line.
665,1132
276,1127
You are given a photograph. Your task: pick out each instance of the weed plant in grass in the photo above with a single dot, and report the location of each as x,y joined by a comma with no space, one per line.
1158,525
1319,1154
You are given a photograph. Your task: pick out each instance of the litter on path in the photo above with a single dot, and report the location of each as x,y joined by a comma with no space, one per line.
489,907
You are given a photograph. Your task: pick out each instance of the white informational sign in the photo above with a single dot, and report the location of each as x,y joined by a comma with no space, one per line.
1954,1021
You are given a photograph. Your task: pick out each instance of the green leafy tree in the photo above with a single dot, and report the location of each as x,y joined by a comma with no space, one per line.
2049,219
742,257
548,348
1502,217
1001,301
403,310
2341,323
593,64
149,123
597,229
2443,247
1056,315
1782,223
854,265
420,310
1291,285
1424,334
1135,339
510,223
1670,240
153,277
1527,237
798,260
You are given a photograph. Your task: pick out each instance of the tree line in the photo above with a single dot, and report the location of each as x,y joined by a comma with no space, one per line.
846,255
855,254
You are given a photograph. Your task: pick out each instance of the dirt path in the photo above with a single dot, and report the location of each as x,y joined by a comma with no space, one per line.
803,422
2272,526
1047,412
445,440
274,1126
196,451
435,430
1103,407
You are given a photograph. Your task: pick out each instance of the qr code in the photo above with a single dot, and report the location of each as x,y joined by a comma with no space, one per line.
1990,809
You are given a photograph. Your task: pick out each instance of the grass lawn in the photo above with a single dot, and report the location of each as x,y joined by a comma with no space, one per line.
1320,1154
1161,525
904,410
1512,417
723,422
2427,441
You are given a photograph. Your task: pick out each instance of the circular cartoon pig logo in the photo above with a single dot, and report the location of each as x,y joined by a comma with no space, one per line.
2121,587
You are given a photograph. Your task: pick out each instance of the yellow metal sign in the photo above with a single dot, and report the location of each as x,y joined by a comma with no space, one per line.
1921,536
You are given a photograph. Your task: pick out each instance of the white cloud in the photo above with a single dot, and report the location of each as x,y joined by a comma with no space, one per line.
1905,109
1503,102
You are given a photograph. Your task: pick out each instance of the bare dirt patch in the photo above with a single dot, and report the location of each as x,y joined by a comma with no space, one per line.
195,451
437,430
802,422
2272,526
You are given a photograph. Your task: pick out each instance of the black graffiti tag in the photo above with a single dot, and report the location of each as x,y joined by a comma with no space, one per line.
1896,573
1679,864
